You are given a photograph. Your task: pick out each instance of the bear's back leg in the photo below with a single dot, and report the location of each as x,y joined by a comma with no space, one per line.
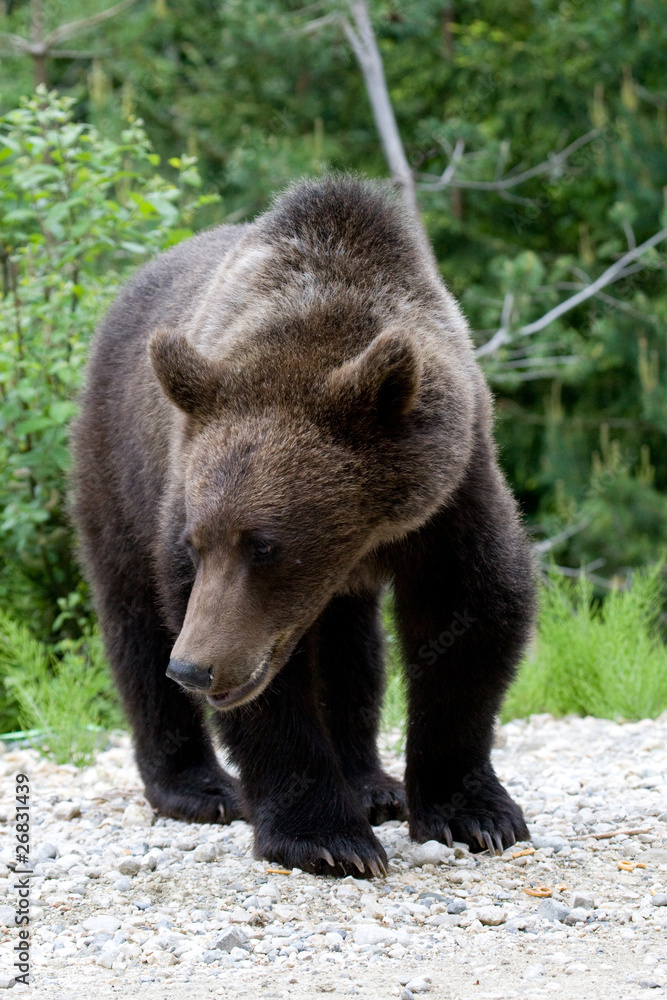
465,605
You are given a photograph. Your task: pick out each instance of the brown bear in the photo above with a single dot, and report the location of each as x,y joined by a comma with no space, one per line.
282,419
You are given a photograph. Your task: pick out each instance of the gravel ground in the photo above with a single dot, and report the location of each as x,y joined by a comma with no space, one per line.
123,905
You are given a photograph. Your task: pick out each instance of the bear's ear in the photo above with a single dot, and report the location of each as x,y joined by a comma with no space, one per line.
187,378
383,381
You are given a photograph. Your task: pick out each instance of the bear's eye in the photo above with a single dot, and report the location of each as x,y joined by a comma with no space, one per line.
263,551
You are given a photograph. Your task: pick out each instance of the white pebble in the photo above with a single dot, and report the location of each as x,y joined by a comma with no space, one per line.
104,923
135,815
535,971
430,853
204,853
129,866
492,916
66,810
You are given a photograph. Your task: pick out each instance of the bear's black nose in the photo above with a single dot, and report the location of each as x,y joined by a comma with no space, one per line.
189,675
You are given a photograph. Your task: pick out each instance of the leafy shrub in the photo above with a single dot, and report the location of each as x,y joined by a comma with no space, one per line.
77,211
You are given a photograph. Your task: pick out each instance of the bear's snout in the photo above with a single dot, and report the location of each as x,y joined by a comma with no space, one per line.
189,675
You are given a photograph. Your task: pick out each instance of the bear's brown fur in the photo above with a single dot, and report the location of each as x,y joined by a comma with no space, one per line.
280,419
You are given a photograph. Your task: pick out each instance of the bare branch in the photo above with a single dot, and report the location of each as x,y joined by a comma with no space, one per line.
77,54
74,28
609,300
363,44
449,171
552,165
550,543
319,22
15,42
656,99
586,572
617,270
606,278
629,235
557,359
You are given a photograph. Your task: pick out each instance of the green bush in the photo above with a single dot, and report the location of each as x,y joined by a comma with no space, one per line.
590,658
77,211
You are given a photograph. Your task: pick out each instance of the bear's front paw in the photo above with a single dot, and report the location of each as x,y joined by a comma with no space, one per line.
381,797
325,853
200,794
479,813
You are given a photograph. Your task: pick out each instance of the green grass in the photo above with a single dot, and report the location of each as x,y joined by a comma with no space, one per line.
606,660
590,658
393,706
67,698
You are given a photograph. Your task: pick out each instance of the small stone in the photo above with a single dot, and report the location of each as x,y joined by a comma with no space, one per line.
212,955
461,850
110,953
557,958
46,851
406,994
552,909
185,844
102,923
580,899
372,934
269,891
238,954
204,853
430,853
135,815
491,916
535,971
233,938
122,884
334,941
66,810
576,968
417,985
6,982
556,843
7,916
129,866
68,861
577,916
457,906
659,899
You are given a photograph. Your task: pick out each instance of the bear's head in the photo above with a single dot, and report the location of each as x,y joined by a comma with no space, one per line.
293,475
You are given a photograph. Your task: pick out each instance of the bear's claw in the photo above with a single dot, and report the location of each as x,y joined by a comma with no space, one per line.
487,820
356,860
197,795
362,856
382,798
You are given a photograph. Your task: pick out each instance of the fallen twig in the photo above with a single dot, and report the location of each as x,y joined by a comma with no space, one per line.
609,834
